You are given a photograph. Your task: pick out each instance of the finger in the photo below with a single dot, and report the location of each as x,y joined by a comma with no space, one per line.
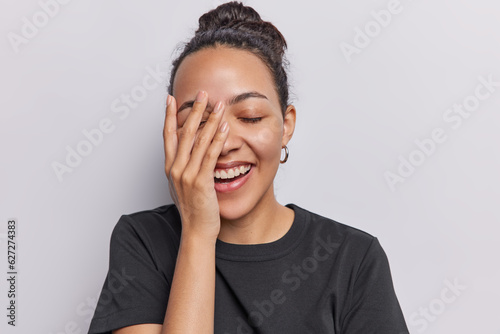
205,138
190,128
214,150
170,133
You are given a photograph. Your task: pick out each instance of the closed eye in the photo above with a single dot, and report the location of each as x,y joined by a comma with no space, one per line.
251,120
204,119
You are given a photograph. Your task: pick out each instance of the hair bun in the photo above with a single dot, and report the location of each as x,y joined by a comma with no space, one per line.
235,15
226,13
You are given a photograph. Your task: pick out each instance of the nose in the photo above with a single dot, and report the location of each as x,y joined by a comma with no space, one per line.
234,140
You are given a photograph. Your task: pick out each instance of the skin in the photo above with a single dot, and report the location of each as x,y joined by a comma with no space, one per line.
249,131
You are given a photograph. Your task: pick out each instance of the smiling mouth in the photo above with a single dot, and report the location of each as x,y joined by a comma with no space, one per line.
229,175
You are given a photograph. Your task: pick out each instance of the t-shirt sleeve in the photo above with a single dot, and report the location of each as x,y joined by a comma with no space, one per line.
134,290
373,307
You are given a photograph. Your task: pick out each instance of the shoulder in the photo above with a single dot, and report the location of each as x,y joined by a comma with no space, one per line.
142,257
341,232
364,292
346,242
156,231
159,220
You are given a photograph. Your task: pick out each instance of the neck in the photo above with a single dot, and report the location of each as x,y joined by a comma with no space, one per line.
266,222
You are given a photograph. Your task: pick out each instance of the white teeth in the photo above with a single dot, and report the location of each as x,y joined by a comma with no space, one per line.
231,173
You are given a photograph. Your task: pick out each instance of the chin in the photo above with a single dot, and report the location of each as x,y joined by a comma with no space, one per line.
233,209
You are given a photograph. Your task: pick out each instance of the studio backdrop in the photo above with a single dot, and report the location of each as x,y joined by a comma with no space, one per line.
398,117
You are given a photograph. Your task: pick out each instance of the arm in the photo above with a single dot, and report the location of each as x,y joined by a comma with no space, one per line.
191,154
191,302
192,298
140,329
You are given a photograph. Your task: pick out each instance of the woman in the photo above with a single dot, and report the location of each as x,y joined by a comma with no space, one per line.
227,257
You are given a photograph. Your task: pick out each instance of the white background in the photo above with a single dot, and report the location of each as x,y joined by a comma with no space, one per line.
356,116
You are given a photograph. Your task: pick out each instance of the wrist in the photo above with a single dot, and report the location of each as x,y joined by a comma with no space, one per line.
193,240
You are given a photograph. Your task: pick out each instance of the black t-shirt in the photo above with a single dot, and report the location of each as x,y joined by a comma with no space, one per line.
320,277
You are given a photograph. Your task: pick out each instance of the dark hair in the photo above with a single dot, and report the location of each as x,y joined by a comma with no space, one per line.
234,25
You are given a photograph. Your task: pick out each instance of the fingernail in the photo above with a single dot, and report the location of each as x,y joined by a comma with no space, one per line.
200,96
169,100
218,107
223,128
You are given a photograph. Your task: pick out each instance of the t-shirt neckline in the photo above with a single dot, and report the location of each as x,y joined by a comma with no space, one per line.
267,251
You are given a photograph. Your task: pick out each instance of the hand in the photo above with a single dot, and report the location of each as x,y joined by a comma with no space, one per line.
191,154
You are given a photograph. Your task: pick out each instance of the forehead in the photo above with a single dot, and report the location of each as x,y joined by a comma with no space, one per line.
223,71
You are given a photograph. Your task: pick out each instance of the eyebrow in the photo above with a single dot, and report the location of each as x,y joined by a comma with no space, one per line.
235,99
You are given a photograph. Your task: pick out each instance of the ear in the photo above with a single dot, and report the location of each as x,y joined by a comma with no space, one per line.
288,124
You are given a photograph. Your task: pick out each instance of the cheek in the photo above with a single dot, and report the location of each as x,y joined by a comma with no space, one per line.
266,142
